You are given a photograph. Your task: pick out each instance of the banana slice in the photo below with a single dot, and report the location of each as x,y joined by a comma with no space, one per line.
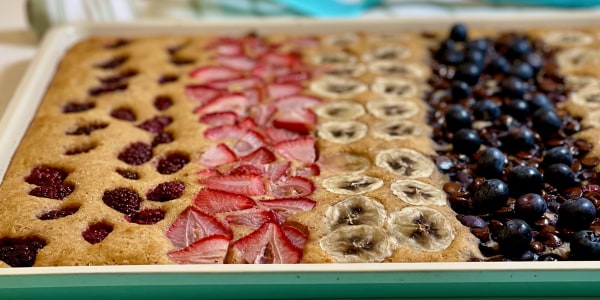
335,58
352,184
337,87
356,210
345,70
340,110
580,82
394,68
390,52
342,132
589,97
418,193
344,162
357,244
574,58
405,162
397,130
392,109
568,38
394,88
341,40
421,227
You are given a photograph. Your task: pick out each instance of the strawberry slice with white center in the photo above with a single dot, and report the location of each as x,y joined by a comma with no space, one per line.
292,187
303,42
250,185
201,93
280,59
260,156
285,207
296,103
301,149
277,170
249,143
227,48
269,72
295,77
237,62
217,155
246,169
212,73
206,173
224,132
295,235
280,90
262,114
192,225
267,245
236,84
219,118
301,120
213,201
308,170
209,250
277,135
253,217
236,103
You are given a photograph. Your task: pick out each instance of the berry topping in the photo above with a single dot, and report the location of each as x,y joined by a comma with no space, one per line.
87,129
524,179
296,103
280,90
236,84
518,139
97,232
56,191
235,103
518,109
295,77
466,141
46,175
208,250
514,237
201,93
167,78
219,118
214,201
217,155
75,107
301,149
486,110
253,217
490,195
459,32
267,245
123,200
146,216
460,90
457,117
117,44
156,124
557,155
294,186
559,176
576,214
112,63
296,236
58,213
162,138
128,174
163,102
285,207
192,225
166,191
224,132
123,113
118,78
277,135
20,252
206,74
259,157
136,154
530,207
301,121
105,89
84,148
248,143
585,245
546,122
172,163
251,185
237,62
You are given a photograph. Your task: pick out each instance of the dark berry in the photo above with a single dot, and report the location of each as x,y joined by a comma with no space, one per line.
518,139
156,124
117,44
585,245
75,107
460,90
123,113
498,65
576,214
123,200
57,191
87,129
491,163
447,44
129,174
46,175
162,138
538,101
453,57
146,216
107,88
472,221
490,195
558,155
518,109
97,232
20,252
486,110
513,87
167,78
468,72
112,63
136,154
163,102
514,237
518,48
546,122
476,57
172,163
118,78
524,179
466,141
459,32
522,70
535,60
559,176
457,117
530,207
478,44
58,213
166,191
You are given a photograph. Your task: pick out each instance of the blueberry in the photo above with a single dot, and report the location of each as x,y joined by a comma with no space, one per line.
530,207
546,122
472,221
518,109
460,90
518,48
457,117
522,70
478,44
490,195
447,44
486,110
513,87
452,57
459,32
491,163
585,245
466,141
559,176
518,139
514,237
538,101
535,61
558,155
524,179
576,214
475,56
498,65
468,72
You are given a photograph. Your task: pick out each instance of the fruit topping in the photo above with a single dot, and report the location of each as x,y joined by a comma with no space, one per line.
172,163
352,184
162,138
128,174
253,217
20,252
344,163
75,107
87,129
294,186
248,143
56,191
405,162
84,148
267,245
418,193
576,214
58,213
208,250
281,90
585,245
212,73
136,154
156,124
123,113
193,225
357,244
107,88
214,201
285,207
340,110
163,102
237,62
97,232
112,63
251,185
123,200
217,155
296,236
219,118
146,216
300,149
342,132
234,103
201,93
260,156
421,227
300,121
356,210
514,237
46,175
166,191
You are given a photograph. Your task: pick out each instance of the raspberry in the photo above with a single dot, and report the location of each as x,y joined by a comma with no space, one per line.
58,213
87,129
20,252
56,191
75,107
146,216
163,102
107,88
156,124
112,63
46,175
167,78
162,138
123,113
97,232
123,75
172,163
136,154
117,44
129,174
166,191
123,200
80,149
180,61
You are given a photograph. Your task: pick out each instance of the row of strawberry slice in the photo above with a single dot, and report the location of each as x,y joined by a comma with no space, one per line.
260,124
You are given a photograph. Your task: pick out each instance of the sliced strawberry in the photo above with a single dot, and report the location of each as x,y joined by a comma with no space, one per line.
269,72
301,121
259,156
251,185
219,118
205,173
192,225
256,46
246,124
230,48
201,93
255,94
253,217
286,207
267,245
209,250
236,84
280,90
236,103
217,155
295,235
296,103
237,62
213,201
212,73
262,114
277,135
295,77
280,59
292,187
246,169
303,42
278,169
308,170
301,149
249,143
224,132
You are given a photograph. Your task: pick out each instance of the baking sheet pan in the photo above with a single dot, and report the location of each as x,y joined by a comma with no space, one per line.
309,281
